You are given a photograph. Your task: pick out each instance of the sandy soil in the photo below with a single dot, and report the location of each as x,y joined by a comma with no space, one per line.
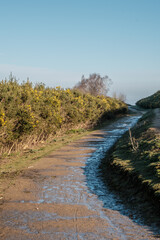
51,200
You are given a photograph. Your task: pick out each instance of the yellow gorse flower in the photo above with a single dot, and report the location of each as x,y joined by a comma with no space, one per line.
2,119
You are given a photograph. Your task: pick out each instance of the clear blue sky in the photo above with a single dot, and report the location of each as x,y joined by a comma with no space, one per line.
56,41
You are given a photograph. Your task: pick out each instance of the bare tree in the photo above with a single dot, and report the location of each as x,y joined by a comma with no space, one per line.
114,95
95,84
120,96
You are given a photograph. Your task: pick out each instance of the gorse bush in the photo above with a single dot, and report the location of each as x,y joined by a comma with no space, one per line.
31,114
152,101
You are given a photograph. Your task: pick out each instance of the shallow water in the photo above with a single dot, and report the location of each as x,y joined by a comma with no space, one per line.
94,182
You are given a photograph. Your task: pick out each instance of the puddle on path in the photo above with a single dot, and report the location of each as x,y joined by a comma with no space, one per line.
66,199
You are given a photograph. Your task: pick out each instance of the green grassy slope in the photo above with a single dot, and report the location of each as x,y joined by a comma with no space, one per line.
152,101
136,158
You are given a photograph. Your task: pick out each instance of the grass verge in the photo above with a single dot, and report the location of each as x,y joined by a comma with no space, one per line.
132,167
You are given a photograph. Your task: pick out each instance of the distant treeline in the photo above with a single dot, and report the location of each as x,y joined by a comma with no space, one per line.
152,101
30,114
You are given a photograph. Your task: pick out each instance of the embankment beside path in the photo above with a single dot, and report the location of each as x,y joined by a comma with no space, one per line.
132,166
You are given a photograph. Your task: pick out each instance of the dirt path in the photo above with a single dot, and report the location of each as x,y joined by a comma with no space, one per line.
51,200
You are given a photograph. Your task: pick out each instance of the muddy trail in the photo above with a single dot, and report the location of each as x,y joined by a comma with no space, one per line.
62,196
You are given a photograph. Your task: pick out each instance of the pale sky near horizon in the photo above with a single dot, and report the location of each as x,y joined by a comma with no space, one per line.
57,41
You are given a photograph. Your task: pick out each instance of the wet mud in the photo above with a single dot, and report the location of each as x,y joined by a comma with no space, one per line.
62,197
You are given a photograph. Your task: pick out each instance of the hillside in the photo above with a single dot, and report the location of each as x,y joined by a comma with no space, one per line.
133,164
152,101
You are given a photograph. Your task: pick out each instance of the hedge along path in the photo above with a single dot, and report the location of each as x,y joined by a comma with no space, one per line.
29,115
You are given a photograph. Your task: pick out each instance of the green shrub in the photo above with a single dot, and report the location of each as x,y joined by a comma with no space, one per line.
40,111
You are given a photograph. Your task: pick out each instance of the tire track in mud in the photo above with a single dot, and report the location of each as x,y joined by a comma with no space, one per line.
55,199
